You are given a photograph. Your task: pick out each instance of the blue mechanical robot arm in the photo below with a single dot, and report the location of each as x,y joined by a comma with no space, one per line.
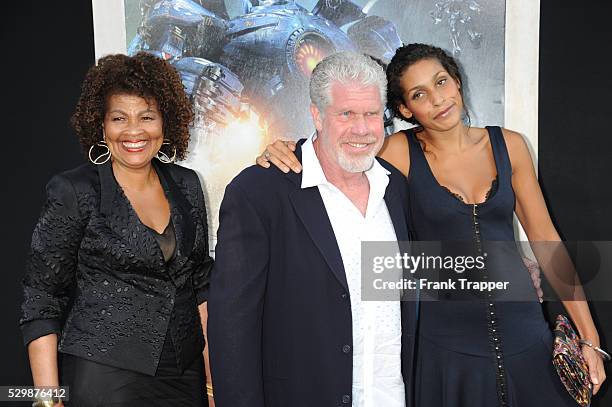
179,28
373,35
191,37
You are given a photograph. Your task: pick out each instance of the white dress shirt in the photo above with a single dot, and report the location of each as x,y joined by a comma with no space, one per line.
377,376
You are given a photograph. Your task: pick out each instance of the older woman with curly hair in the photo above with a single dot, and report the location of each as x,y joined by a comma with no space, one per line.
119,260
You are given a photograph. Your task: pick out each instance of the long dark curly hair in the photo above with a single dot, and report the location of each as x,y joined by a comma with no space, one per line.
144,75
405,57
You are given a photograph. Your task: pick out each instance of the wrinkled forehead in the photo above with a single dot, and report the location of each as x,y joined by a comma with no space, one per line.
354,96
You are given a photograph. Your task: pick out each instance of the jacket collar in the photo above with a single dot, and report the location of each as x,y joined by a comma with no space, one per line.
313,175
310,208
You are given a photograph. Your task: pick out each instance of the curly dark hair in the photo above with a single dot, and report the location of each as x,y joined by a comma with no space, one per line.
144,75
408,55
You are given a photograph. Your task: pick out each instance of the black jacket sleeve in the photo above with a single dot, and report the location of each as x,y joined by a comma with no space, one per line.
235,304
51,264
201,275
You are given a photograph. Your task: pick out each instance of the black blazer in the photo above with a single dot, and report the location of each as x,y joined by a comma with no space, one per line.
89,233
279,314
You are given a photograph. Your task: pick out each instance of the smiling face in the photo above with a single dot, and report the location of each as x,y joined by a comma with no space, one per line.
351,130
133,129
431,95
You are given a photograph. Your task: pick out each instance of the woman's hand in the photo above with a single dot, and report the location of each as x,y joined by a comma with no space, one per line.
596,367
203,310
280,153
534,272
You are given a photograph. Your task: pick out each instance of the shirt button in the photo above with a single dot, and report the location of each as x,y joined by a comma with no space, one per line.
344,295
346,399
346,349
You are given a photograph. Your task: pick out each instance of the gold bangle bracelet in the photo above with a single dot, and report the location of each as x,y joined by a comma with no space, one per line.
209,390
44,403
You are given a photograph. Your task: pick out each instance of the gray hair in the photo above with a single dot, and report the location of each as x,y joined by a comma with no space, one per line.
345,67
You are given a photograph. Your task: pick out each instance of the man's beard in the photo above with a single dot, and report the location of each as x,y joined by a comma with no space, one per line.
354,162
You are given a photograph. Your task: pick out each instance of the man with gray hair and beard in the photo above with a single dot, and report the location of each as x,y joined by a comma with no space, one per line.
287,325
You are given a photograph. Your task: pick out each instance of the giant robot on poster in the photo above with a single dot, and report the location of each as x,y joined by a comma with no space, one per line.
261,61
247,75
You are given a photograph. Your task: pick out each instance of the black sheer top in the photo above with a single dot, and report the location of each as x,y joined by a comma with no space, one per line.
166,241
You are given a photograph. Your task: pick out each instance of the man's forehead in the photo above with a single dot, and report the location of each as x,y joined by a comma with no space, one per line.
353,87
353,93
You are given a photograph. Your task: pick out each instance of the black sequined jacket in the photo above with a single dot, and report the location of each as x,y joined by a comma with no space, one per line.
90,250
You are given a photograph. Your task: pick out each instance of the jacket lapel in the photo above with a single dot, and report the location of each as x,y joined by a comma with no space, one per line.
108,188
397,213
310,208
410,299
180,211
123,220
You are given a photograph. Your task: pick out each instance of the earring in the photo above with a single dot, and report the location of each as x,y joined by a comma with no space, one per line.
163,157
102,158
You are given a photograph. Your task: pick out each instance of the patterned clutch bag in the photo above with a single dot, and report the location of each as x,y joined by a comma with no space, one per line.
570,364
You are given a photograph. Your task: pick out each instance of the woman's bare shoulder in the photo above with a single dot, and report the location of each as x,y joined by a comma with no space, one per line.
518,149
395,150
515,142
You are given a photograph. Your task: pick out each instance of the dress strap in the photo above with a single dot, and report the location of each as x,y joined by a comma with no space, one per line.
500,153
417,157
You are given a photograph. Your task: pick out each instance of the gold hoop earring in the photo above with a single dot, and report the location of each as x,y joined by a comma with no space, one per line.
102,158
165,158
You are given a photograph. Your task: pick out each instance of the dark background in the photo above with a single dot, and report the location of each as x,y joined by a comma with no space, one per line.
47,47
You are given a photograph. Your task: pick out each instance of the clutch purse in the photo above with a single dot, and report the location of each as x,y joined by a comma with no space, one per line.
569,362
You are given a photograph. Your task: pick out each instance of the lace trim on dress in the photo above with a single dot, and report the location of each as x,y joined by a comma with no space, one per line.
489,194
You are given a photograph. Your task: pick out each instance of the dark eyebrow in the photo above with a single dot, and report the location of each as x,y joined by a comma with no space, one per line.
419,86
149,110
